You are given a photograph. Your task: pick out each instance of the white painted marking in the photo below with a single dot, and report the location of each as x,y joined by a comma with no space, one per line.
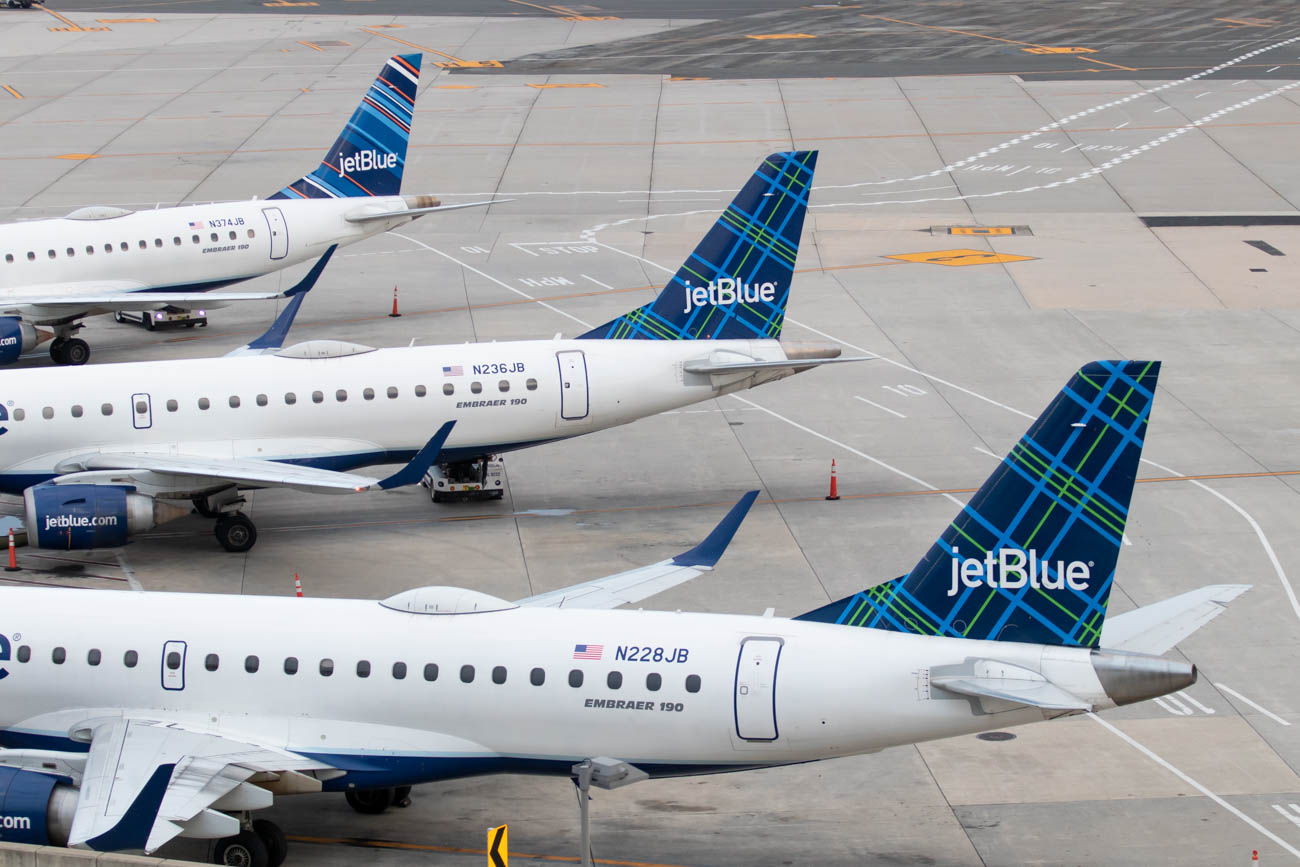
880,406
1070,148
1174,706
597,282
1194,784
131,580
1295,820
1202,708
1127,542
1199,95
1265,711
1274,69
1121,126
1243,81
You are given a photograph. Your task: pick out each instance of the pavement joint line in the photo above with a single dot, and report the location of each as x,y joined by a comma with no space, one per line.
1149,753
1265,711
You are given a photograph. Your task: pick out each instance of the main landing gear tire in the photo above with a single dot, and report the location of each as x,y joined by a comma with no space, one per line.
370,802
402,796
245,849
277,847
74,351
236,533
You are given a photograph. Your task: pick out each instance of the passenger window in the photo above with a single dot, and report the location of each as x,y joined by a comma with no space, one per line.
326,667
475,387
317,396
448,388
9,258
341,395
24,653
71,252
291,665
252,664
233,235
431,672
141,407
90,250
399,671
693,683
125,246
93,657
252,234
211,662
261,400
499,675
131,659
48,412
537,676
204,403
531,385
467,674
614,680
234,403
368,394
420,391
290,398
653,681
157,242
173,661
144,245
363,668
503,385
214,236
575,678
108,248
20,414
106,409
76,410
58,655
194,238
177,240
52,254
392,392
31,257
172,406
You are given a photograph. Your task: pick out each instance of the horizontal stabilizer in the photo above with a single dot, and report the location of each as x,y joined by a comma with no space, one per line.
708,367
419,212
1158,627
1034,693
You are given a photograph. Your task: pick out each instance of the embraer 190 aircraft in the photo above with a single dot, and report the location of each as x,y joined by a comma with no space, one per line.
94,451
97,260
134,718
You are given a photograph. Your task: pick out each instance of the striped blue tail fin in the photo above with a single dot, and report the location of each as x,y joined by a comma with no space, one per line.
368,158
1032,556
736,283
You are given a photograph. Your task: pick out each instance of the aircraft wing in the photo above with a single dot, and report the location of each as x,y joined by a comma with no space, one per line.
637,584
1156,628
273,338
145,780
248,472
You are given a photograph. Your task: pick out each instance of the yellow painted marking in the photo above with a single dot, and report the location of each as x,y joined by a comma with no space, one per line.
779,36
552,9
981,230
428,847
76,156
312,45
1248,22
574,84
73,27
279,3
456,62
468,64
958,258
1043,49
498,846
591,18
15,94
688,78
127,20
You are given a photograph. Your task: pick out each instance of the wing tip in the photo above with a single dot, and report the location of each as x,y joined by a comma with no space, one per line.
708,552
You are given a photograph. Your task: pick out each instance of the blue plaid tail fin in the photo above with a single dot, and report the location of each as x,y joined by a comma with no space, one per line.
1032,556
368,158
736,283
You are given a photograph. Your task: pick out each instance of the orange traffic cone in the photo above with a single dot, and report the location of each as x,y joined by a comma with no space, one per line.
1254,857
13,555
835,491
297,585
394,313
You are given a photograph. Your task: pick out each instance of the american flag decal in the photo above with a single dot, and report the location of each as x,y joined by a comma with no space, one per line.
198,225
454,370
588,651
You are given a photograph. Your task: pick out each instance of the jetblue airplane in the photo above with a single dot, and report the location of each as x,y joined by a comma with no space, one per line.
97,451
133,718
98,260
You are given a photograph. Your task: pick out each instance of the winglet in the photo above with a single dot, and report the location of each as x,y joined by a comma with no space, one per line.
274,336
419,465
706,554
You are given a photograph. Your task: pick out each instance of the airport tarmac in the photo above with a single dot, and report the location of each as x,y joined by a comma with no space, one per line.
983,234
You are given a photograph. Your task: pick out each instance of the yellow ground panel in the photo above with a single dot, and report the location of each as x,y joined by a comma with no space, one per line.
573,84
1047,49
958,258
981,230
468,64
779,36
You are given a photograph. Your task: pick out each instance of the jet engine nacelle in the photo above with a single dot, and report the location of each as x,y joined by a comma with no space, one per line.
89,516
35,808
16,337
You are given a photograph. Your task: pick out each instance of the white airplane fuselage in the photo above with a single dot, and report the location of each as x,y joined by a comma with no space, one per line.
731,691
349,411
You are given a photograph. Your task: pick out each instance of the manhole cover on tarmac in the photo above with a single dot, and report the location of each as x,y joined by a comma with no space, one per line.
996,736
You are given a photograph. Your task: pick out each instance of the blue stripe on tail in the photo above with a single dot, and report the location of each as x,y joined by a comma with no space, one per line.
368,158
1052,515
736,283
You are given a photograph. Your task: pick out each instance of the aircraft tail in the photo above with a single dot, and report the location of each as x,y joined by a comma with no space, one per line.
736,283
1032,556
368,158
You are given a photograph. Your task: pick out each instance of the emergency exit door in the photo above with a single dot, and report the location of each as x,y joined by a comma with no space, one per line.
173,666
756,689
141,411
279,232
574,402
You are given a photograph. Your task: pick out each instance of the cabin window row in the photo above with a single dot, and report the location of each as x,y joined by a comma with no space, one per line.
326,668
124,246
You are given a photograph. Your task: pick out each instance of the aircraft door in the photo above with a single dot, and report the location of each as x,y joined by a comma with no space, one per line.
173,666
141,411
756,688
574,402
279,232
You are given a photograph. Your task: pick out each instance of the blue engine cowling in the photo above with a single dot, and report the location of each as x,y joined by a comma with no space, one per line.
35,808
16,337
84,516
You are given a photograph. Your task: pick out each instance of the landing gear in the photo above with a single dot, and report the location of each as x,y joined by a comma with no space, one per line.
245,849
72,351
203,508
371,802
277,847
236,532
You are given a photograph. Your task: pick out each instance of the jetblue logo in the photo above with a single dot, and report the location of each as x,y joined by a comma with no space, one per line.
366,161
9,341
726,292
61,522
1012,568
4,655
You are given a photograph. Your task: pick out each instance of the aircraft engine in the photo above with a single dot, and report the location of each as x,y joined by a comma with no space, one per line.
90,516
17,337
35,808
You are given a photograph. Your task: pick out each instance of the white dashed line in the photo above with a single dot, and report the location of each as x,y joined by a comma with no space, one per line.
880,406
